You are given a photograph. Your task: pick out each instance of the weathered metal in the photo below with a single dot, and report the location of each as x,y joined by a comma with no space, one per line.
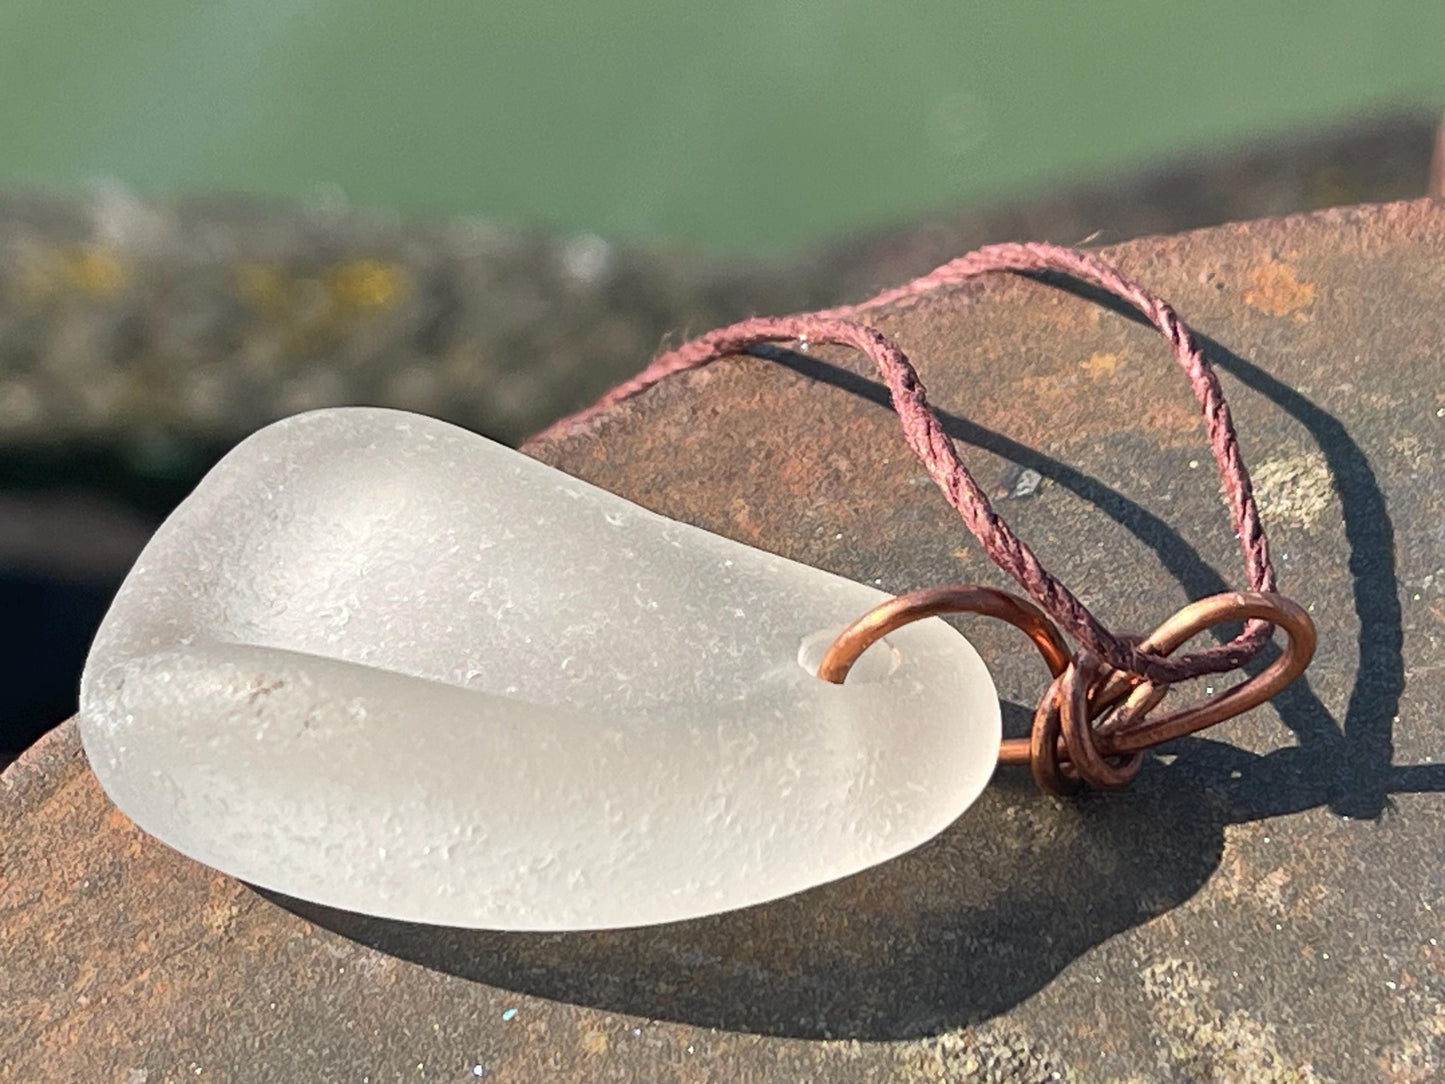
1264,905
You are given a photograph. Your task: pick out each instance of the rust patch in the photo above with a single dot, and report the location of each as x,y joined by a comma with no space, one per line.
1039,407
1277,289
1174,424
119,822
1100,364
742,515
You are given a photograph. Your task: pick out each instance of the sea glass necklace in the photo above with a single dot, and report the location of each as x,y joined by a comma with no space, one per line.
381,663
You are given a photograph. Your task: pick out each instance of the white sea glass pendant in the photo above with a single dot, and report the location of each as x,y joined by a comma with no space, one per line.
381,663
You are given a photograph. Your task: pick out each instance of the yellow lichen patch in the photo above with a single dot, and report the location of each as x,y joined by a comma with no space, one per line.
263,287
1294,489
97,271
90,270
1276,289
991,1053
594,1041
365,284
1097,365
1201,1042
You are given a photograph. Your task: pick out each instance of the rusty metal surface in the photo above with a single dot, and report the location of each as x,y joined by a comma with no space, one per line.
1263,905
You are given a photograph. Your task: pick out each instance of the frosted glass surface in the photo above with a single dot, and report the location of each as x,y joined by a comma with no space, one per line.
384,664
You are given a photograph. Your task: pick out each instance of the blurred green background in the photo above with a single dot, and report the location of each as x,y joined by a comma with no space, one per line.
743,126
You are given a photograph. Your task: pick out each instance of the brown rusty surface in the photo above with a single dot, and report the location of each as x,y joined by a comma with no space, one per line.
1264,905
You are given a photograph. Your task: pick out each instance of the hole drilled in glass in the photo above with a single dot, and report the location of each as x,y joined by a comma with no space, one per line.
877,664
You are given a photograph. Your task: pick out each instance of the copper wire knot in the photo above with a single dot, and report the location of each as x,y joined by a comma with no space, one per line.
1094,722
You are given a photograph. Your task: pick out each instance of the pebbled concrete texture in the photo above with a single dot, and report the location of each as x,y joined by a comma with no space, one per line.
163,332
1264,905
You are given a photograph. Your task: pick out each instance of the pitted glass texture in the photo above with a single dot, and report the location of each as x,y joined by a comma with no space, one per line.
381,663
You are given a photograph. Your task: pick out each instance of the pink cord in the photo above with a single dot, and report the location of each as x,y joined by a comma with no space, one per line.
934,448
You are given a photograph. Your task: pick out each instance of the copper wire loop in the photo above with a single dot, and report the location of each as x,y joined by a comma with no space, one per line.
956,598
1093,723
